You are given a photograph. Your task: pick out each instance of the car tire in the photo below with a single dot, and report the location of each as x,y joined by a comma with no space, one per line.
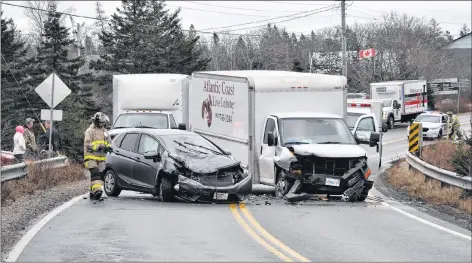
440,135
362,197
166,191
111,184
282,185
390,122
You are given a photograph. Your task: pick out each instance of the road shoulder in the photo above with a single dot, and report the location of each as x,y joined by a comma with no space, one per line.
443,212
22,214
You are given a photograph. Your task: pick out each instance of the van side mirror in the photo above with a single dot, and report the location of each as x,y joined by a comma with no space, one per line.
374,139
182,126
153,155
270,139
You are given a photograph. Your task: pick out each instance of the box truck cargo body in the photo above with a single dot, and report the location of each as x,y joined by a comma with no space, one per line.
258,116
358,107
403,99
148,100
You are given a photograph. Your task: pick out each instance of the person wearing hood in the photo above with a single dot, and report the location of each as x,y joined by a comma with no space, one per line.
30,139
97,144
19,144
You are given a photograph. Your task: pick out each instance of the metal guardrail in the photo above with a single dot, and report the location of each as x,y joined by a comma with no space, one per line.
439,174
20,170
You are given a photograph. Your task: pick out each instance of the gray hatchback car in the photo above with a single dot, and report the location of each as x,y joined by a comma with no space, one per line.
168,163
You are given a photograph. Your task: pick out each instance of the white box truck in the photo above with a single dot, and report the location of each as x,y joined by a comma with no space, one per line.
287,128
148,101
403,99
359,107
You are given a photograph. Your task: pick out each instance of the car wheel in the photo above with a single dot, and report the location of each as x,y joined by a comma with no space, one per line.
282,186
390,122
111,184
166,193
440,135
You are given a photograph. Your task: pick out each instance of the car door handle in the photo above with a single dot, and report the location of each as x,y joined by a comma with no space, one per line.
137,158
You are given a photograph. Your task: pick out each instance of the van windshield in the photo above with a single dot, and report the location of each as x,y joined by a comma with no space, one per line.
352,119
387,103
315,131
143,120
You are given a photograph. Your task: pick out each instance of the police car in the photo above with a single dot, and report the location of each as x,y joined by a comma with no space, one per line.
434,124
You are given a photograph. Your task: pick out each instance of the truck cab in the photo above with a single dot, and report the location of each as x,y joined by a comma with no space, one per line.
143,119
324,135
148,101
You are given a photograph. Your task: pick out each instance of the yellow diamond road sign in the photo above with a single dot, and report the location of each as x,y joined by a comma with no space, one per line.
61,91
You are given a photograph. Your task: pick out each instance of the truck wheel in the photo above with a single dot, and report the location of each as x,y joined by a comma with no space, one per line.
390,122
440,135
282,185
166,192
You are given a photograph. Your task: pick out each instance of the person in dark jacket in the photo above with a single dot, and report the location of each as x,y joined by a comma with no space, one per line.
56,140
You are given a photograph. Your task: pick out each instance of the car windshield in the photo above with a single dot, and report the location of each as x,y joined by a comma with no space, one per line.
315,130
352,119
428,118
142,120
189,142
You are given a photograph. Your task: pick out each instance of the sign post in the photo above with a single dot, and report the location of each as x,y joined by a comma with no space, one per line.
53,91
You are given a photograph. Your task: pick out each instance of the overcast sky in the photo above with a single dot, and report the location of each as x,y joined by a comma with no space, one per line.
213,15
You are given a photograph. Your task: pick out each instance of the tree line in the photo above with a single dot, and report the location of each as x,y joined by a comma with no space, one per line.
145,37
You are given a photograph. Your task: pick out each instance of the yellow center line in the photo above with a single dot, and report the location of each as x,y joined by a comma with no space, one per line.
268,236
261,241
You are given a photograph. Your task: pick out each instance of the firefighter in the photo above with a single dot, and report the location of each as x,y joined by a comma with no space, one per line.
96,145
453,125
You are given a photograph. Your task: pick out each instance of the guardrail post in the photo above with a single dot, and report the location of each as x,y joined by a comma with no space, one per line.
415,138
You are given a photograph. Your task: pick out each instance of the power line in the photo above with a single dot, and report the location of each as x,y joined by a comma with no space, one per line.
240,8
265,20
286,20
19,87
291,3
217,12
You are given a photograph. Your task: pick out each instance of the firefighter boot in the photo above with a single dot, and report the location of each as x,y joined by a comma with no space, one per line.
95,184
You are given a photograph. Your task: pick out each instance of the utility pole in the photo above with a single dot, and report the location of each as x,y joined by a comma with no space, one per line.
343,38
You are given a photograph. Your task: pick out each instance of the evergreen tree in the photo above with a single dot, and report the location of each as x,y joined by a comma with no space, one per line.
53,57
145,38
464,30
13,60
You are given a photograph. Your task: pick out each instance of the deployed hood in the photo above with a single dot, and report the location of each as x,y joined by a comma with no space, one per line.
330,150
205,163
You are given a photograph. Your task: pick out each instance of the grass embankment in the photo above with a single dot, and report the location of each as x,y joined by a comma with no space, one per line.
440,154
430,191
40,178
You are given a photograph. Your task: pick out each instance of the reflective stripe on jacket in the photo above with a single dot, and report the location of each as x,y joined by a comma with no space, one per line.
95,137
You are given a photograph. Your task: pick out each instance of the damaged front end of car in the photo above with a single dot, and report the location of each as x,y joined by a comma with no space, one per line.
307,174
230,182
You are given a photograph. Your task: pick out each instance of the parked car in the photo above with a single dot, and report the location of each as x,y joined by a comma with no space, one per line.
434,124
168,163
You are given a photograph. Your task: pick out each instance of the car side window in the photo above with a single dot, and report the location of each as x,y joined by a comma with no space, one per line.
173,124
366,124
129,142
147,144
270,127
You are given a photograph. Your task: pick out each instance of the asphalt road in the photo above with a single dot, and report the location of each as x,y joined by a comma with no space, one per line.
137,227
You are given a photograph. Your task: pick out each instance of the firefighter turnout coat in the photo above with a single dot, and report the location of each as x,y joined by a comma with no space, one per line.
95,137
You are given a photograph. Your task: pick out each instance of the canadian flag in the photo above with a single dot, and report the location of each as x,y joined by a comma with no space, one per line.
366,53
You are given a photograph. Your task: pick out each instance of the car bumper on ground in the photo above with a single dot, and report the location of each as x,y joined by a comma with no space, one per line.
195,191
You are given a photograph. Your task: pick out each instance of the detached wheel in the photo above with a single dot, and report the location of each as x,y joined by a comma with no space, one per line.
166,191
390,122
111,184
282,185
